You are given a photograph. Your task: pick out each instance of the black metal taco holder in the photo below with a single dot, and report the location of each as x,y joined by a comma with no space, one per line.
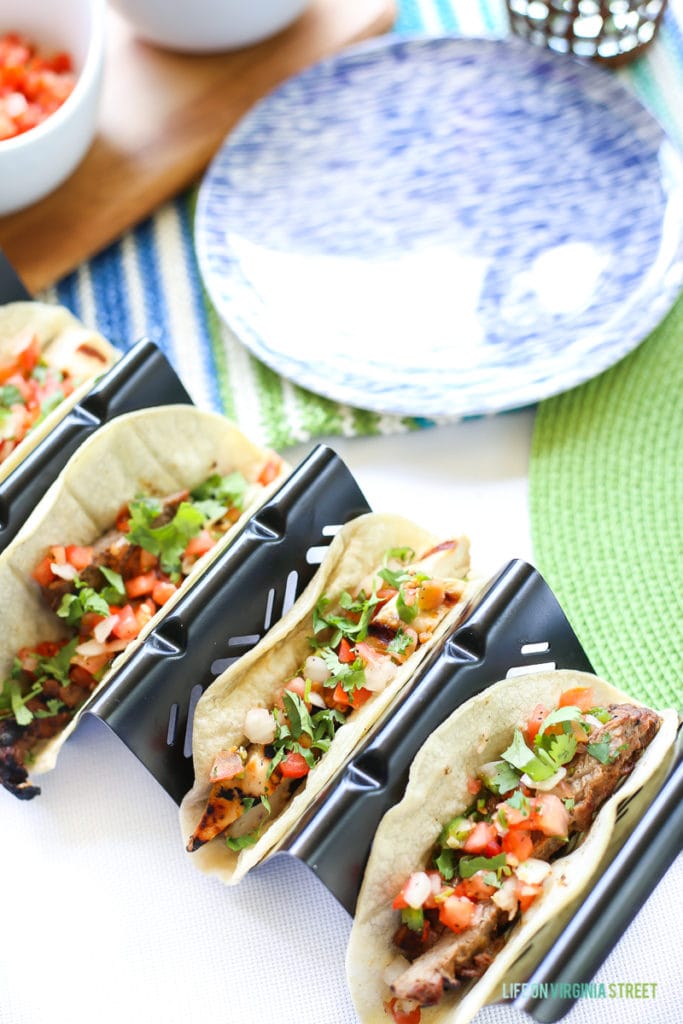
513,625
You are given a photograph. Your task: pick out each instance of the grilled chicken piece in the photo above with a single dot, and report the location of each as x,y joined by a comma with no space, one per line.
225,806
457,957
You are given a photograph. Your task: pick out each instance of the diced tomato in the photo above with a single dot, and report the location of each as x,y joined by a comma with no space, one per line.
123,519
526,894
92,663
492,849
297,685
482,834
145,611
431,595
345,654
200,544
473,786
294,766
163,591
140,586
359,697
48,648
580,697
127,626
475,887
81,677
92,619
518,843
341,697
536,719
437,886
42,573
79,557
43,83
456,912
227,764
58,554
399,901
403,1011
549,815
270,471
385,594
28,357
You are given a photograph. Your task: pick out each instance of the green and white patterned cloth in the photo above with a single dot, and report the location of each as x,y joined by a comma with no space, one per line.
148,282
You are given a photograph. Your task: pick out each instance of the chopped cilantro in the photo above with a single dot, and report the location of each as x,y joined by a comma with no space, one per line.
350,675
602,714
500,777
468,866
224,490
168,541
73,607
413,918
600,751
519,801
10,395
115,593
400,643
445,862
569,803
241,842
560,716
52,707
406,612
13,701
518,754
57,667
353,627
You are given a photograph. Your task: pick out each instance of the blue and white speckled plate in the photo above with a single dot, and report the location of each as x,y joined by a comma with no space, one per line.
443,226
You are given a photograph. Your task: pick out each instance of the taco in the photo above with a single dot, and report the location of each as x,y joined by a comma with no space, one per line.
271,730
48,360
510,807
142,507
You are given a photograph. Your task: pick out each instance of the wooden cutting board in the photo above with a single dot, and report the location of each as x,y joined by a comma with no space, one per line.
163,116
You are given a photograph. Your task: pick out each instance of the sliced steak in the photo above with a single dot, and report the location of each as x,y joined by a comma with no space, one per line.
453,959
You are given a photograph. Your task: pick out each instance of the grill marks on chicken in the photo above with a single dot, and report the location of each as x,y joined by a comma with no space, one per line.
454,959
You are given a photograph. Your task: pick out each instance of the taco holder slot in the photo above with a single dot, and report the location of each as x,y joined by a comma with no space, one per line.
514,624
257,578
142,377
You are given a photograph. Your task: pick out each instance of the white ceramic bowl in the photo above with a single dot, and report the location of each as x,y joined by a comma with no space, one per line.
205,26
36,162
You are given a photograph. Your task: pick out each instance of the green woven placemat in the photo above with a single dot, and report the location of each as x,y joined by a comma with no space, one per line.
606,501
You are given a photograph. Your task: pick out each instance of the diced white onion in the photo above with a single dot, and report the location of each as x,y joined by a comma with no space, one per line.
418,889
93,648
259,726
594,722
316,670
64,570
379,673
506,897
395,969
533,871
546,784
317,699
104,628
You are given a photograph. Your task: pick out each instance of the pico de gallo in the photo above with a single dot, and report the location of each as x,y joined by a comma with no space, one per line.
358,643
32,85
105,594
29,390
491,862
